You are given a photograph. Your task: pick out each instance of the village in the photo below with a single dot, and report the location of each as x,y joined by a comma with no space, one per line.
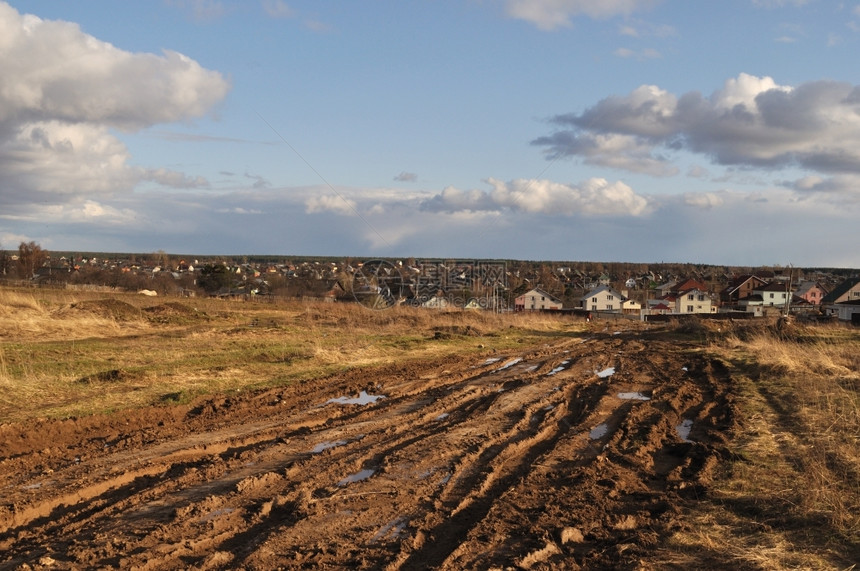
607,290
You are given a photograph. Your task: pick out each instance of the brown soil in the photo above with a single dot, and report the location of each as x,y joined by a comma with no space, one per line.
534,463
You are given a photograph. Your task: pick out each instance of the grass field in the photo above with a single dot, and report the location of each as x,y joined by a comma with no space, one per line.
70,354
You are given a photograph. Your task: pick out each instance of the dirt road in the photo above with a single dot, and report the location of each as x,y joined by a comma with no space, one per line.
581,452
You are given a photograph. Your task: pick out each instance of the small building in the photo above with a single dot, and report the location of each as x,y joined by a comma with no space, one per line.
844,310
537,299
848,290
602,298
740,288
773,294
811,292
693,301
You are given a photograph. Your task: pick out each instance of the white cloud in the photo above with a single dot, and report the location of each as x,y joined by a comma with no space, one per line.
640,55
552,14
406,177
61,93
750,122
328,203
705,200
593,197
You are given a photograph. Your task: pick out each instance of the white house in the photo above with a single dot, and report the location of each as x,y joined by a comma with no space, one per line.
602,298
693,301
773,294
536,299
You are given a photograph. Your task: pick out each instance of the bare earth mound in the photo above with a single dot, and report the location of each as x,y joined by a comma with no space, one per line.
579,453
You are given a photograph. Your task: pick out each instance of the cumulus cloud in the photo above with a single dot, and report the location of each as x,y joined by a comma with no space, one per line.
749,122
62,92
552,14
406,177
705,200
328,203
641,55
594,197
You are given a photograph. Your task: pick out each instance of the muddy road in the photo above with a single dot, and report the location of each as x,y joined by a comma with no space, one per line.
579,453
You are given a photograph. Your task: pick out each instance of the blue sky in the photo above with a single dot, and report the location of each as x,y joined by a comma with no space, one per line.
621,130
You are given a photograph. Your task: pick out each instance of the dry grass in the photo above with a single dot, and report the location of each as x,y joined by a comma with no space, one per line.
795,498
65,354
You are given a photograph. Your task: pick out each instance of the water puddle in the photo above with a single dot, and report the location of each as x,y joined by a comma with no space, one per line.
492,360
362,399
322,446
608,372
531,368
684,430
633,396
599,431
442,416
357,477
559,369
509,364
391,530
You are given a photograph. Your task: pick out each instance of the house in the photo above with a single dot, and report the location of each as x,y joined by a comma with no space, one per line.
843,301
631,306
665,289
812,292
536,299
693,301
659,308
603,298
773,294
844,310
848,290
740,288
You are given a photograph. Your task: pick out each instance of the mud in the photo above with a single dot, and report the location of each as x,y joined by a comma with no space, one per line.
528,460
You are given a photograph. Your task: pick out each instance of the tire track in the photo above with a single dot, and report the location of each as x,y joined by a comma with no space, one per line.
461,465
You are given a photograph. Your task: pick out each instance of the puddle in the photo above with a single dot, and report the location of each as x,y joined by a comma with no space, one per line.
392,530
35,486
217,513
559,369
509,364
492,360
357,477
633,396
549,407
531,368
326,445
442,416
362,398
684,430
599,431
608,372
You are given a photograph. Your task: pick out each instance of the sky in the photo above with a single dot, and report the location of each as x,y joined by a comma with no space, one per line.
621,130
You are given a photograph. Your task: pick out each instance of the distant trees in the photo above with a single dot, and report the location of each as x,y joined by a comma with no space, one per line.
30,257
5,262
214,277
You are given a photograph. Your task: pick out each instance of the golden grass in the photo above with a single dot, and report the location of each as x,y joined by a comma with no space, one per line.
800,474
77,353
